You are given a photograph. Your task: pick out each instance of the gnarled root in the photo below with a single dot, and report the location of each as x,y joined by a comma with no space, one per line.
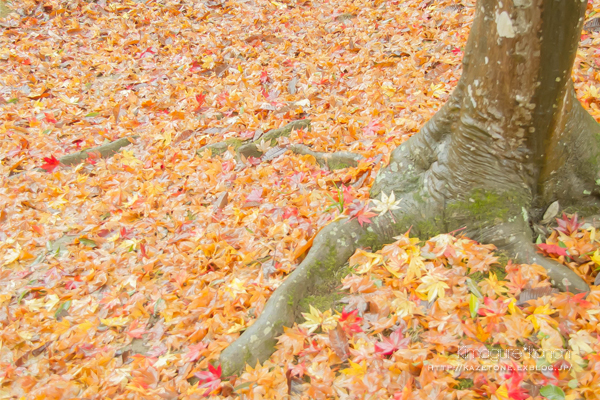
331,161
317,275
331,249
249,148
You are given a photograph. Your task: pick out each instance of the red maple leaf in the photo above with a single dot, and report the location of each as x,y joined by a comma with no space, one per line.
195,352
372,128
349,316
200,98
51,163
568,226
135,331
149,50
350,322
49,118
255,195
211,379
264,77
394,342
579,300
360,211
513,384
73,283
126,234
553,249
196,67
493,307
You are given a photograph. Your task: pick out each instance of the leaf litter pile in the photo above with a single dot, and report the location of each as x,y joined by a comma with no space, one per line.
125,277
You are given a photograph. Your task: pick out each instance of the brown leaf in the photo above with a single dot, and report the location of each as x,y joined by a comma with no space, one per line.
221,201
339,342
117,112
183,136
532,294
592,25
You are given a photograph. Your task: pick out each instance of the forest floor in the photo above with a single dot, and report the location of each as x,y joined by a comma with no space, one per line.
125,277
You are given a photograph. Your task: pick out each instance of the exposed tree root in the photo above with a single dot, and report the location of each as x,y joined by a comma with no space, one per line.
103,151
317,276
561,276
317,271
331,161
250,148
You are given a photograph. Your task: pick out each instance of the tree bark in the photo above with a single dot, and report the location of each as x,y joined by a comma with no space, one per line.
511,139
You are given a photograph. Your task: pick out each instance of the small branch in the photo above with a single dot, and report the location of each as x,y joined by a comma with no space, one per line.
249,148
106,150
331,161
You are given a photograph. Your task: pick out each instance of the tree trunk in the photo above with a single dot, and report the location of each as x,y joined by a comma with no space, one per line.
511,139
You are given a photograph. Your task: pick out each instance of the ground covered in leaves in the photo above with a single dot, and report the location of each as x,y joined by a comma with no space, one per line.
124,278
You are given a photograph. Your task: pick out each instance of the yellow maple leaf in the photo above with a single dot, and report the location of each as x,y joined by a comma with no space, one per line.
208,62
329,321
596,257
116,321
237,327
316,318
502,393
402,305
128,158
492,284
356,369
541,313
513,309
313,319
432,287
580,342
85,326
165,360
365,260
388,88
12,254
416,266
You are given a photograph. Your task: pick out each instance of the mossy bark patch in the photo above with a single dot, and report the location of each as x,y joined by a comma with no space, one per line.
4,9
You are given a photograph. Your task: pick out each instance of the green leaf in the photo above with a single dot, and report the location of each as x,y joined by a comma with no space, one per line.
23,294
92,114
552,392
158,306
473,288
473,305
242,386
87,242
38,259
63,308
